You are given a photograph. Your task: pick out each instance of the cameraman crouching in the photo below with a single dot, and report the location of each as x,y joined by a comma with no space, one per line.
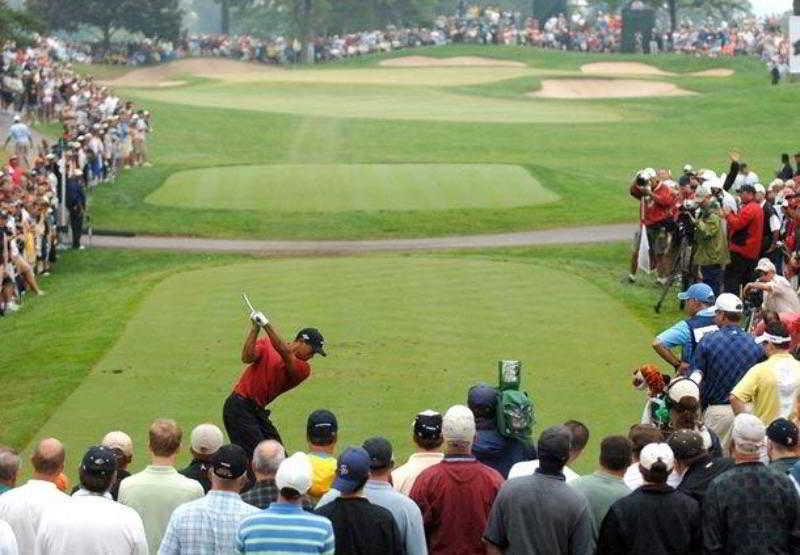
710,241
779,296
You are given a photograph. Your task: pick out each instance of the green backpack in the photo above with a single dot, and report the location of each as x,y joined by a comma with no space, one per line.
515,410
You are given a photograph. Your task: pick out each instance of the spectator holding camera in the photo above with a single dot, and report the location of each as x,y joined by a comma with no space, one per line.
656,214
779,295
710,247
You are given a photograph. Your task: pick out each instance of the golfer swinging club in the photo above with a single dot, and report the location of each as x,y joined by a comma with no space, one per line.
274,367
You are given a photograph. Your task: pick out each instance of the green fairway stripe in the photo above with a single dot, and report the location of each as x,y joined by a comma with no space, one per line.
353,187
404,334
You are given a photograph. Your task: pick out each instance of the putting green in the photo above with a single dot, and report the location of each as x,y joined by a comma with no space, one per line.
385,102
405,333
346,187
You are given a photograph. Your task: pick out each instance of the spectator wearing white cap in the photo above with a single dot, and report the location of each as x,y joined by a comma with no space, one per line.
205,441
750,508
267,458
456,495
427,436
710,248
656,518
122,445
722,358
209,525
779,295
284,525
770,387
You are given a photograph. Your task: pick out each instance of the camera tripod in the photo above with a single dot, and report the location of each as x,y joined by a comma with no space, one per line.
681,271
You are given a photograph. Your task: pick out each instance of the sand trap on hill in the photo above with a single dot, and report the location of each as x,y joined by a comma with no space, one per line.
606,88
212,68
456,61
636,68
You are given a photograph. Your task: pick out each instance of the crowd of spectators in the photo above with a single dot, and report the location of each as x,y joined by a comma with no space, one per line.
102,135
660,487
594,31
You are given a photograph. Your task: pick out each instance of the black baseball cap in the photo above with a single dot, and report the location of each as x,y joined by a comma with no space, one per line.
428,425
229,462
686,444
321,426
313,337
747,188
99,461
783,432
380,452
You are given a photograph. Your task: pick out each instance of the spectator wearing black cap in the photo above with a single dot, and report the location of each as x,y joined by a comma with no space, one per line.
540,513
655,519
602,488
490,447
783,445
91,522
206,439
695,463
359,526
322,430
745,231
267,458
274,367
209,525
379,491
456,495
427,436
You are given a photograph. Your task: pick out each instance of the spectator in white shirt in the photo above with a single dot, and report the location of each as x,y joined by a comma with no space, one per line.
579,434
779,295
427,435
22,507
92,523
8,542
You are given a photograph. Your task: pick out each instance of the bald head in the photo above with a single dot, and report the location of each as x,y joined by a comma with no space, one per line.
48,458
267,457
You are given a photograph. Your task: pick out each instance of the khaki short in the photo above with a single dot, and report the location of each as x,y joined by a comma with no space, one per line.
657,237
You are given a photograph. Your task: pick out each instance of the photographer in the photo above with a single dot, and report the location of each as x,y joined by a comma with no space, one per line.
745,231
656,214
779,296
710,243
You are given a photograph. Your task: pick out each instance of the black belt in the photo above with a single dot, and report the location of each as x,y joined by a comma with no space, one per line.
253,405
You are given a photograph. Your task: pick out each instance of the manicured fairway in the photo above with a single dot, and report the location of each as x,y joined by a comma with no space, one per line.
404,334
344,187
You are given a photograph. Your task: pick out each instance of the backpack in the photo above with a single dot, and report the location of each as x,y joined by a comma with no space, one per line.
515,410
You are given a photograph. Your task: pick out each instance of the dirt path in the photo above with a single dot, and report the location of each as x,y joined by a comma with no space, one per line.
588,234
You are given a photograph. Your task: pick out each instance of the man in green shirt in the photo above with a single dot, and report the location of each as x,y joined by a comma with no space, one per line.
9,466
158,489
605,486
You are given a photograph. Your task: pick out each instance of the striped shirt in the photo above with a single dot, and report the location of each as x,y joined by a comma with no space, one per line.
283,529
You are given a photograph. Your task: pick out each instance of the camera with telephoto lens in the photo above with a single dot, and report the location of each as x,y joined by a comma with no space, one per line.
753,299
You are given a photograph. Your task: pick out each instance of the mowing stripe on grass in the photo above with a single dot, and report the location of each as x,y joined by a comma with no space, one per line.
404,334
352,187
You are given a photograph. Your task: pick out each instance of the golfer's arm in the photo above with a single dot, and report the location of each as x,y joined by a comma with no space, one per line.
249,349
668,356
737,405
280,346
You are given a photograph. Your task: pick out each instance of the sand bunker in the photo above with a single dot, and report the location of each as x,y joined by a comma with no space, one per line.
606,88
211,68
456,61
636,68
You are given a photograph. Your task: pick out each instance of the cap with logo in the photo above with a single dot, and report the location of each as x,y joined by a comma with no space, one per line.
294,473
655,452
321,427
428,425
207,439
352,470
99,461
686,444
314,338
698,292
229,462
728,302
783,432
380,452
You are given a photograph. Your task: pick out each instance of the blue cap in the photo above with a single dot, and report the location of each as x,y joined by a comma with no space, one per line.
352,470
698,292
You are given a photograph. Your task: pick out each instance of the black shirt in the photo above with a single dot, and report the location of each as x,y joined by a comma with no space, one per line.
198,470
362,528
653,520
697,477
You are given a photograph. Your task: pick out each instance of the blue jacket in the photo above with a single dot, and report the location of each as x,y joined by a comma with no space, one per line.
499,452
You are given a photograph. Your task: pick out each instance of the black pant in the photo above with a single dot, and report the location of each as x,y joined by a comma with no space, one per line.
76,223
247,424
738,273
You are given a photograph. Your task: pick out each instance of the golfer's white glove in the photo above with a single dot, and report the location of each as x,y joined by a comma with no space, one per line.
259,319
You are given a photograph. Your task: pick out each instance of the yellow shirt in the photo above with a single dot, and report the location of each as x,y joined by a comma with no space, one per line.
771,386
323,471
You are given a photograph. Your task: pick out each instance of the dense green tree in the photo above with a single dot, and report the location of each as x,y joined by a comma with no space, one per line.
17,25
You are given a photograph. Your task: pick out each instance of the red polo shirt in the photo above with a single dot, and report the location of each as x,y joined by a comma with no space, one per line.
748,222
266,378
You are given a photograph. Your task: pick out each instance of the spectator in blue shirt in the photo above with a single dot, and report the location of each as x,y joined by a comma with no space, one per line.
686,334
723,357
